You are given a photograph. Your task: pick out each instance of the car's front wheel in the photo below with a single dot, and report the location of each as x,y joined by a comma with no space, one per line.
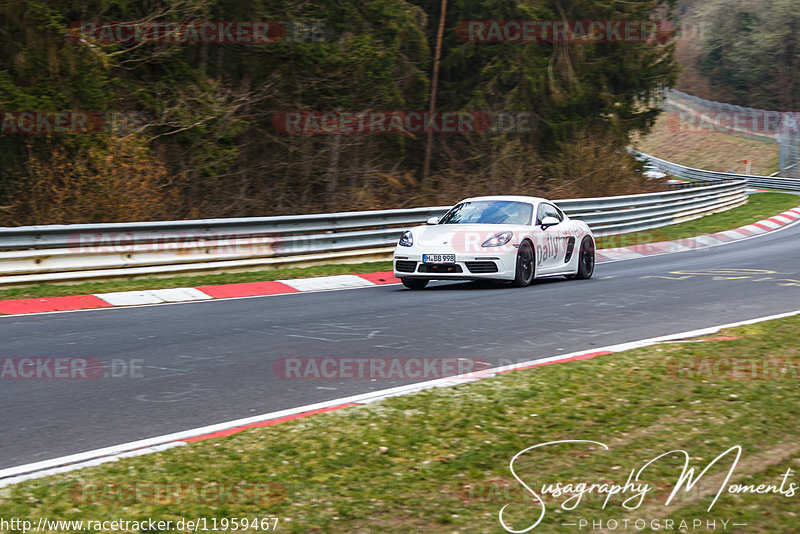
414,283
526,268
586,259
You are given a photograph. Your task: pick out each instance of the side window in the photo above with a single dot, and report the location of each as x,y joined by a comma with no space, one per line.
548,210
540,214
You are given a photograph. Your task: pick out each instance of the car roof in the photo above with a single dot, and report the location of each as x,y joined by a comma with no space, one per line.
512,198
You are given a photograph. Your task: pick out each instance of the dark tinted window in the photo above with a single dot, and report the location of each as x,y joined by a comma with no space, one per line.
489,212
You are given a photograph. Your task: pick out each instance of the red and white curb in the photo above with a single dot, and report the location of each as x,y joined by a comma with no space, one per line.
353,281
192,294
703,241
15,475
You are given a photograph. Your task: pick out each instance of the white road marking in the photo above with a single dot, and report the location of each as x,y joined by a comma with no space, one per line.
13,475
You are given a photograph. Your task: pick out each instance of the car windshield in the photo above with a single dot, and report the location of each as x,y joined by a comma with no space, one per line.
489,212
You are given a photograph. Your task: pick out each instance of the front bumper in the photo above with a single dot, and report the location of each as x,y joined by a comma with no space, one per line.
488,266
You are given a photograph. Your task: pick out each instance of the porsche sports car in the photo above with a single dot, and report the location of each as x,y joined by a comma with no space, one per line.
512,238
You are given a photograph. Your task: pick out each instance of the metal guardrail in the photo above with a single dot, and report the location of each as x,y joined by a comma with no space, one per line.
700,175
94,251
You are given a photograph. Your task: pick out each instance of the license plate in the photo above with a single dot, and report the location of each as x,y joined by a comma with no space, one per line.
438,258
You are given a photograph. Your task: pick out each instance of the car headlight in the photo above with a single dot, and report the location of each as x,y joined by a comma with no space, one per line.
407,239
498,240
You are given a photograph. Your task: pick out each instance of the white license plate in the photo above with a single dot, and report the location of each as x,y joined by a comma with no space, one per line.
438,258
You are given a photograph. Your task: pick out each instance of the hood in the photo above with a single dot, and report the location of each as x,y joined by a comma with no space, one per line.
457,234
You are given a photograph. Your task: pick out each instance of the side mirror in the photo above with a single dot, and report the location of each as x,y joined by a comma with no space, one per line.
432,220
547,222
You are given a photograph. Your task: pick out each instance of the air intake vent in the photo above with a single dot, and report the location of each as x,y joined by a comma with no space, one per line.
405,266
570,249
482,266
440,268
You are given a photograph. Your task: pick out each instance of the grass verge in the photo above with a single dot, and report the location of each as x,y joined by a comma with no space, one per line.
760,206
438,461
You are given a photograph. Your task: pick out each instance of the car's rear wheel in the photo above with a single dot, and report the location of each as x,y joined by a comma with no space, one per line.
526,268
586,259
414,283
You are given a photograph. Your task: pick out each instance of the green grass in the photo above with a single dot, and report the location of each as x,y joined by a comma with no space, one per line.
759,206
438,461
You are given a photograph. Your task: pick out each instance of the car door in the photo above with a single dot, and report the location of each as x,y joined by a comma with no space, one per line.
550,241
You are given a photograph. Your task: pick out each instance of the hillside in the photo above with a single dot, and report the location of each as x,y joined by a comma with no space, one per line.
710,150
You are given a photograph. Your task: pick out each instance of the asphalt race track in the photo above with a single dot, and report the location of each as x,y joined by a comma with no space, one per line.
210,362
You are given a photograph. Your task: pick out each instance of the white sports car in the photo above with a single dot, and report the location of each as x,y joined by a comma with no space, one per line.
512,238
